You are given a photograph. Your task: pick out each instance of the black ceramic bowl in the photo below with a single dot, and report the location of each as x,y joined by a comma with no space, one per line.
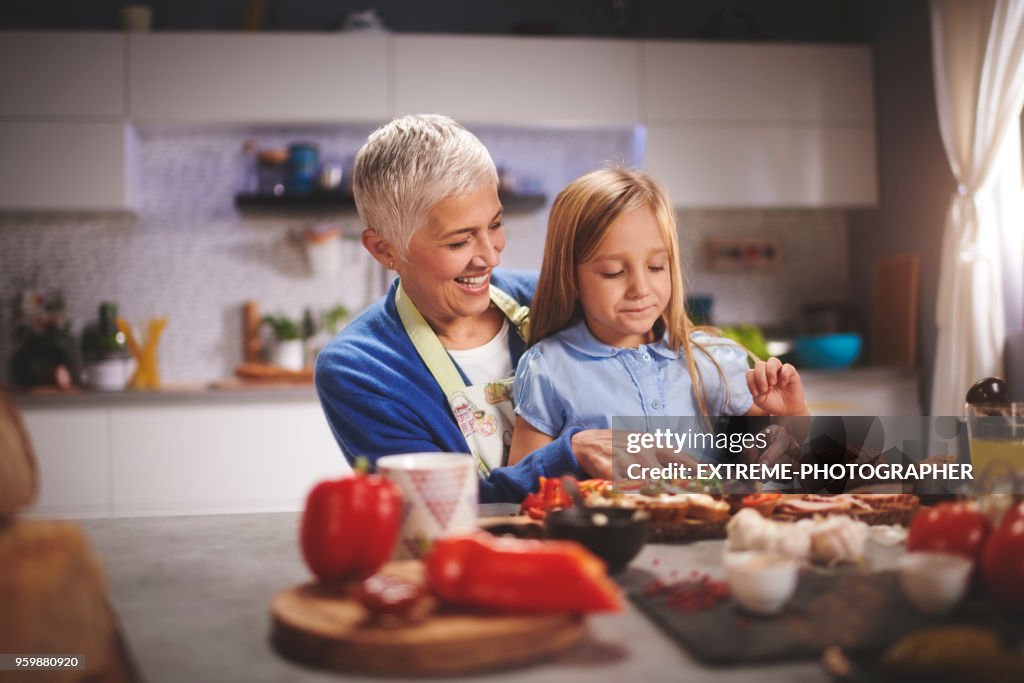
616,535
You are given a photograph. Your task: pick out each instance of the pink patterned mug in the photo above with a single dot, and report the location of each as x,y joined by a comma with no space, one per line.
439,498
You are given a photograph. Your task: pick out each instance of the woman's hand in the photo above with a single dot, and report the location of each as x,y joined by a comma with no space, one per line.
777,389
593,451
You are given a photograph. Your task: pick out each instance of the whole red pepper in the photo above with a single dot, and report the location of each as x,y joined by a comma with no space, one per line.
519,575
350,526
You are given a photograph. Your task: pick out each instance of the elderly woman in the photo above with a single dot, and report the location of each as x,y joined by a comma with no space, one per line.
430,366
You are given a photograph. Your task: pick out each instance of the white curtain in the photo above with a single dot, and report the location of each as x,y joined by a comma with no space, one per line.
978,63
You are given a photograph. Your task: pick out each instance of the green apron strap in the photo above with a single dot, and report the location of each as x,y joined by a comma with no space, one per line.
436,358
428,346
517,314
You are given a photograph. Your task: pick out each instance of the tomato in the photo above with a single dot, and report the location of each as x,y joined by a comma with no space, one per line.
350,526
955,528
1002,564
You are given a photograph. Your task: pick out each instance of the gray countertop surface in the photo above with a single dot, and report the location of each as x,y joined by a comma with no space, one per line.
227,391
193,595
232,390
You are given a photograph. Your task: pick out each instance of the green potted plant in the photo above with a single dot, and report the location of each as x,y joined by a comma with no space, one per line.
321,332
331,320
288,350
44,352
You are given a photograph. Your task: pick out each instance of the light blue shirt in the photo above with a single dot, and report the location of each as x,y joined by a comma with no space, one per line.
574,380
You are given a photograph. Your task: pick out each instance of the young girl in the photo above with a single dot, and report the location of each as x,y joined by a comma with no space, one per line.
608,331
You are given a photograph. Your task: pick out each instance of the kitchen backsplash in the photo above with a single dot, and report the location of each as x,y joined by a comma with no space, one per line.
812,266
188,253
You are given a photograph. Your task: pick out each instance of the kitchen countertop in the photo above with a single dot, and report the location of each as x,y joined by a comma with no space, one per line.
829,382
193,595
223,391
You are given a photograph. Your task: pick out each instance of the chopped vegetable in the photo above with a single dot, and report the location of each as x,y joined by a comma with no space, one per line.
519,575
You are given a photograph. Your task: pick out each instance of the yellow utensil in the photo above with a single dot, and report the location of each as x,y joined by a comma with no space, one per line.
147,370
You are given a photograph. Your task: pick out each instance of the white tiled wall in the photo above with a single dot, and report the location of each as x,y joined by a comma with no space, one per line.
813,267
190,255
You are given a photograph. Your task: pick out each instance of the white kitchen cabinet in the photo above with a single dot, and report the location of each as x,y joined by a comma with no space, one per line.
107,457
64,165
718,82
881,392
201,459
763,166
257,78
518,81
61,74
72,447
742,125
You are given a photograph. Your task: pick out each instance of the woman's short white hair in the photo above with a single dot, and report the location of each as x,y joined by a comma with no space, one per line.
409,165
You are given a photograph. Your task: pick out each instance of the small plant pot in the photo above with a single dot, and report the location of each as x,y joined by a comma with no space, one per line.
110,374
323,251
289,354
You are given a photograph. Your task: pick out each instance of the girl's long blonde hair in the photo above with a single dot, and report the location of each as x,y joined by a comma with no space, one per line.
579,221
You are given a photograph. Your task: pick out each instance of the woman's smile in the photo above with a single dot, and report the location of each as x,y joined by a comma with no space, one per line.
475,283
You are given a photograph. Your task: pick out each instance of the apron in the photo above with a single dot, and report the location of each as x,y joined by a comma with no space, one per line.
484,412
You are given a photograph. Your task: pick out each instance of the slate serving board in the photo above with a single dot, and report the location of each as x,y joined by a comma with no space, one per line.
862,612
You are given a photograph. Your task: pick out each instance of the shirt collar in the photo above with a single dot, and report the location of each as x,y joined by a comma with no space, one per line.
578,337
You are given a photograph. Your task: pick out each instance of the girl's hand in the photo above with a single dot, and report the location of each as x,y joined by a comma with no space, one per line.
777,388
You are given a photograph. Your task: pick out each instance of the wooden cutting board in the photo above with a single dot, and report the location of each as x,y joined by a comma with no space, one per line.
316,624
894,314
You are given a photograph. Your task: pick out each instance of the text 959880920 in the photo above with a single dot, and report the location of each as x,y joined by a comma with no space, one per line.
38,662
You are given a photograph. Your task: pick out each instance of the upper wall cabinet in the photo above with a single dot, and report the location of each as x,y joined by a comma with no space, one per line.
261,78
62,74
519,81
745,82
742,125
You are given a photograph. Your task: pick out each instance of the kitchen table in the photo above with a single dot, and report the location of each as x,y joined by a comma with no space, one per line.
193,595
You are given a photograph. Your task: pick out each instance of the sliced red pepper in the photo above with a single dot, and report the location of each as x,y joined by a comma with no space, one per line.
758,499
762,502
551,495
519,575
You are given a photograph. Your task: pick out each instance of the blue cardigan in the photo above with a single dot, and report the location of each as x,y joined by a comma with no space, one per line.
380,399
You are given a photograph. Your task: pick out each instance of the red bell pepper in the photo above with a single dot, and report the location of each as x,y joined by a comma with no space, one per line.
350,526
551,495
520,575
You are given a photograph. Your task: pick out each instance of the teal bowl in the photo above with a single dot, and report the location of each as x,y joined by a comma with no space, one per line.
827,351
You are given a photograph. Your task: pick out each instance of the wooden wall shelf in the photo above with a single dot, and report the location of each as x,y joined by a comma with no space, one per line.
513,203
